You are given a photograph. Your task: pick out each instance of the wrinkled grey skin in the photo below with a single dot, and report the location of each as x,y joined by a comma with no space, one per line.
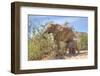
61,33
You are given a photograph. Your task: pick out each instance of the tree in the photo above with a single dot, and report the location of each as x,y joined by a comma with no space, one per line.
84,41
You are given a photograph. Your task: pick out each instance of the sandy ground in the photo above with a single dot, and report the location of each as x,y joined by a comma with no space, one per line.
82,55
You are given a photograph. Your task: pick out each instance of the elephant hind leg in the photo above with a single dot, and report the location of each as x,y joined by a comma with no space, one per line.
78,51
73,51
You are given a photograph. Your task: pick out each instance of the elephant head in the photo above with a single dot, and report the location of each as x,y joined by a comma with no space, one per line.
50,28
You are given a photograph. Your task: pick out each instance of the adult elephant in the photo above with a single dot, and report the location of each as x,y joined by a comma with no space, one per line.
60,33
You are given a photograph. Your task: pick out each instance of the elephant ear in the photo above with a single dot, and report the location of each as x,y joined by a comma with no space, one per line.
60,28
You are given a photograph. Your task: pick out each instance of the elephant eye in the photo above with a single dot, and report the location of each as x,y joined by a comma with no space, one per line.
48,32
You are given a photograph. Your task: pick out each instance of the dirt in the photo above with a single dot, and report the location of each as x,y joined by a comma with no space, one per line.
82,55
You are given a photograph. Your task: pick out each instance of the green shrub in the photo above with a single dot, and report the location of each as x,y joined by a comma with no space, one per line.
39,47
